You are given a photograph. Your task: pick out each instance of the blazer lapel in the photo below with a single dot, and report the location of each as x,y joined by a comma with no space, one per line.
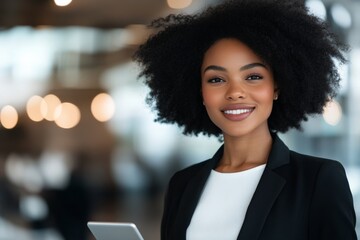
192,194
267,191
265,195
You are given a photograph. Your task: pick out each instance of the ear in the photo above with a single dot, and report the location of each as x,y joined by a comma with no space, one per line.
202,98
276,93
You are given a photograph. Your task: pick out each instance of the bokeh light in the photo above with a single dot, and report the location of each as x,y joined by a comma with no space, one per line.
332,113
103,107
341,15
62,3
48,107
317,8
68,115
179,4
9,117
33,207
33,108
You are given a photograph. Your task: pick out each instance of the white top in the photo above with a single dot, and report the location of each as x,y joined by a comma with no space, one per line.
222,206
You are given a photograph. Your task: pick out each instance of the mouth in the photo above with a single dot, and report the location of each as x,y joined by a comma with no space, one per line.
237,114
238,111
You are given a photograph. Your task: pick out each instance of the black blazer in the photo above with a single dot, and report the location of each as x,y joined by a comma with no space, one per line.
298,197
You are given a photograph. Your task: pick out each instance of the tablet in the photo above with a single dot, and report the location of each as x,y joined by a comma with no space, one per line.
114,231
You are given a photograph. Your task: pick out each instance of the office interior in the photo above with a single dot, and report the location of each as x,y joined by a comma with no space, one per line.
78,141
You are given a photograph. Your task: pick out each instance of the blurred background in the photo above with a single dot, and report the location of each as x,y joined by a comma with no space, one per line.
77,140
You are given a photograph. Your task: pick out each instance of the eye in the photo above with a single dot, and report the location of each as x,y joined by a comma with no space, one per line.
215,80
254,77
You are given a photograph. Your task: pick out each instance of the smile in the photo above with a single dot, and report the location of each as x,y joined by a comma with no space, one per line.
238,114
238,111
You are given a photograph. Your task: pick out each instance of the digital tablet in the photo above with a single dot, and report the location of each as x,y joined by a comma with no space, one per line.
114,231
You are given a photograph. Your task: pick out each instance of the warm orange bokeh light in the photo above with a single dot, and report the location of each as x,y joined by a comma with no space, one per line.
179,4
9,117
68,115
48,106
33,108
103,107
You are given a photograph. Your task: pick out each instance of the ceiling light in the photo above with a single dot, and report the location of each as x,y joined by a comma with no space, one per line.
179,4
62,3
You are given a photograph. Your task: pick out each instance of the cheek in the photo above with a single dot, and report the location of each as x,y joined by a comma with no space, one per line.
265,93
266,98
209,97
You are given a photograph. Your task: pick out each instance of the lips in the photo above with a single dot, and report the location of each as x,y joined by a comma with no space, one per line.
237,113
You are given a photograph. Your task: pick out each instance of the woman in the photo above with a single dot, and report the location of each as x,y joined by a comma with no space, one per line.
243,71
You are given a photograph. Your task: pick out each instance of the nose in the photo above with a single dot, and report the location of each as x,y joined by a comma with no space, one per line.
235,91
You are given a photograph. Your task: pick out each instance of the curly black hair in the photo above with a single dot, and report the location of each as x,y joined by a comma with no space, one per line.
298,46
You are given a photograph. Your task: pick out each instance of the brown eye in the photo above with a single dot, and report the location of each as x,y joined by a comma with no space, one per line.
254,77
215,80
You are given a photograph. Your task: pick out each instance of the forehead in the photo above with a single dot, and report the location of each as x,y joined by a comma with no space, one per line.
230,51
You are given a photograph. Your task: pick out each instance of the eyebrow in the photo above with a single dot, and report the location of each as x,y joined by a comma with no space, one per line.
252,65
245,67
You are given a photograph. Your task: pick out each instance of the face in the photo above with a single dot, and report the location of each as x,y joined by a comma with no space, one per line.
238,88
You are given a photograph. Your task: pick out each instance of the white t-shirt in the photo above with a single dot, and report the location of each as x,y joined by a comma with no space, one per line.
222,206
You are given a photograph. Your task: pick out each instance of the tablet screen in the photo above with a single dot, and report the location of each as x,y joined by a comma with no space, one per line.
114,231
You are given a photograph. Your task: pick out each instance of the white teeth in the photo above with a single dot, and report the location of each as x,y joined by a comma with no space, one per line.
237,111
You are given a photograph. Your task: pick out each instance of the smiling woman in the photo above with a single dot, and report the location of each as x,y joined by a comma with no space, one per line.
243,71
237,88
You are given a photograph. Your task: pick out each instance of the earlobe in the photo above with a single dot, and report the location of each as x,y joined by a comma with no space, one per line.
276,94
203,102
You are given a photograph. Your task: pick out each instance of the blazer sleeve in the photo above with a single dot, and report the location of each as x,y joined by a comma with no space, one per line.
171,202
166,212
332,214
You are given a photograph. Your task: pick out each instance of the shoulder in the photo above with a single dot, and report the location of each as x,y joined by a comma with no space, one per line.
326,176
182,176
181,179
331,204
195,173
307,162
283,157
312,172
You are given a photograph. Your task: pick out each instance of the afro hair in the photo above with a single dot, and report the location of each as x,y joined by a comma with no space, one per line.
298,46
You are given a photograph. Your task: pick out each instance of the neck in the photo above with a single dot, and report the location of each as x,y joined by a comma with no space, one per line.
244,153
